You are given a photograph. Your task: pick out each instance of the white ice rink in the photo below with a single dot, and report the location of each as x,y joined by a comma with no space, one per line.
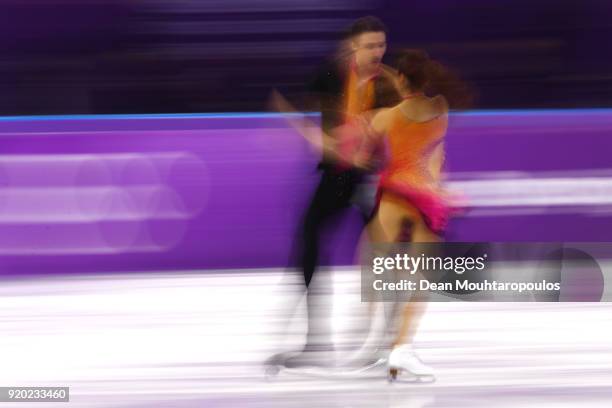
198,340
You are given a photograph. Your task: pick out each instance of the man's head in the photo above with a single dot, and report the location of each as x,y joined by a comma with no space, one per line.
368,41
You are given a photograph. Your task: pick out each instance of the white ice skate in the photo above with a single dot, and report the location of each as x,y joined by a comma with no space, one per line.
403,360
307,362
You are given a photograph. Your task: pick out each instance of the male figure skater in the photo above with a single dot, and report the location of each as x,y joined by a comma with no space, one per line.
349,87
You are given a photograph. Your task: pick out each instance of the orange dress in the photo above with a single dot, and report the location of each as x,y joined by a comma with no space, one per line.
407,176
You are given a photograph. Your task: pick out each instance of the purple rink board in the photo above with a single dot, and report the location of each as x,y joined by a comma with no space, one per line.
164,192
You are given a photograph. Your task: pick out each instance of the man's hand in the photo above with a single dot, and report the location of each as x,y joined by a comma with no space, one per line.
278,103
363,160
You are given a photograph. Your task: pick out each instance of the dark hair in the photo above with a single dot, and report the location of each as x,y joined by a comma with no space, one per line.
368,24
385,92
427,75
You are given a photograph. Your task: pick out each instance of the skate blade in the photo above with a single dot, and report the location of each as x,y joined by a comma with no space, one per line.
280,372
372,372
402,376
271,371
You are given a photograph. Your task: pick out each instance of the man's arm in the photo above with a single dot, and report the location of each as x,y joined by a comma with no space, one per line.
307,128
373,157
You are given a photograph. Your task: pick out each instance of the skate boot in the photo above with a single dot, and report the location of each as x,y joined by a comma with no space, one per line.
273,365
403,360
312,356
309,357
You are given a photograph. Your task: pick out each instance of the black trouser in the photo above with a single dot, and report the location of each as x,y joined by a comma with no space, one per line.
333,195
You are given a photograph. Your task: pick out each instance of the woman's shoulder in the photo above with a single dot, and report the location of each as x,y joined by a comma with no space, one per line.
440,104
432,108
382,119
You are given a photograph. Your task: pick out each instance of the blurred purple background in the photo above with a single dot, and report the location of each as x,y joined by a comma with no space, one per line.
161,56
106,193
117,193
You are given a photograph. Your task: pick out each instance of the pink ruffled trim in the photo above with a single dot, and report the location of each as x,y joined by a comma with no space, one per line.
435,210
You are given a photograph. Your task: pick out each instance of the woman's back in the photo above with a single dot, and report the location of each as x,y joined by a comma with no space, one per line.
415,128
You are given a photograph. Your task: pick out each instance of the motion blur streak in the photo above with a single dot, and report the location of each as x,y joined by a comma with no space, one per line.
178,339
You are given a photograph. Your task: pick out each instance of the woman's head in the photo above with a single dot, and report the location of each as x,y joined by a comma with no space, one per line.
413,70
417,72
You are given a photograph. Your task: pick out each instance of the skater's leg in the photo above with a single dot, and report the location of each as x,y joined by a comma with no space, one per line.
403,223
326,203
411,316
376,342
304,253
367,335
415,308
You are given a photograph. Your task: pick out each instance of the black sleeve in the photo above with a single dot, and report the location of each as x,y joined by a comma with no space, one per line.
325,93
320,86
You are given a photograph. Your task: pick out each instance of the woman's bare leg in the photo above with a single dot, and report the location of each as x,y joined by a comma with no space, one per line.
392,216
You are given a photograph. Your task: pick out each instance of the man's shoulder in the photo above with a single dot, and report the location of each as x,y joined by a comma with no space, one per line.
329,77
332,69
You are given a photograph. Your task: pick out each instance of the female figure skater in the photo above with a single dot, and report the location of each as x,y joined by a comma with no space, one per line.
412,206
